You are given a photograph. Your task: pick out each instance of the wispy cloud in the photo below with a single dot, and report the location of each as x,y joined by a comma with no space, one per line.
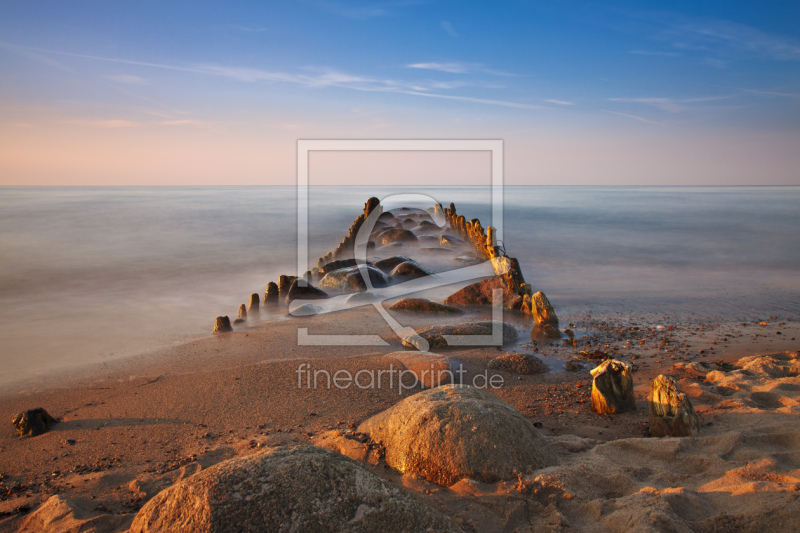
126,78
671,105
319,79
726,40
772,93
653,53
449,29
458,67
558,102
634,117
365,10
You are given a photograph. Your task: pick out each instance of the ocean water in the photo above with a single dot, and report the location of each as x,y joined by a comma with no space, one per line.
91,274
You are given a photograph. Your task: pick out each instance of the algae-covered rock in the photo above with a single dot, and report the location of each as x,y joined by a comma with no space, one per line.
421,305
434,335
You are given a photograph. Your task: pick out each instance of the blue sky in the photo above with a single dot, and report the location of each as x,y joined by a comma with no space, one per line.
663,93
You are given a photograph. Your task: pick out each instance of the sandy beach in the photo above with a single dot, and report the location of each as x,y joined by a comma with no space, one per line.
138,426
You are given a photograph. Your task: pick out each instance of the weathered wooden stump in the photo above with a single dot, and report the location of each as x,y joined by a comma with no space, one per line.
612,388
222,325
242,312
671,412
271,296
254,308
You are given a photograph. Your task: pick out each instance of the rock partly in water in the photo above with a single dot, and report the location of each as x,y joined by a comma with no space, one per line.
428,369
254,307
421,305
308,310
542,310
33,422
454,432
671,412
612,388
272,294
434,335
448,241
573,365
287,489
350,280
222,325
392,236
242,313
408,270
388,264
518,363
306,292
480,293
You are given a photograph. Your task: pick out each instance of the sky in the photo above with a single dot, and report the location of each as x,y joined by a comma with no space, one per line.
581,93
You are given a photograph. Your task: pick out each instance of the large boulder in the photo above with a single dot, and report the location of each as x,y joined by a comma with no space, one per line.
454,432
350,279
222,325
302,489
395,235
33,422
612,388
421,305
480,293
518,363
671,412
305,292
434,335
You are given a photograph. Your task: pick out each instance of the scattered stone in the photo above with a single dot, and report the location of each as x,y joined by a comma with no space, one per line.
222,325
253,308
453,432
518,363
671,412
392,236
287,489
480,293
242,313
33,422
434,335
284,284
350,280
272,294
422,305
545,333
573,366
429,369
408,270
612,388
307,292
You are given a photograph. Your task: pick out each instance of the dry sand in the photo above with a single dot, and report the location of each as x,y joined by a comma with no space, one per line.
132,428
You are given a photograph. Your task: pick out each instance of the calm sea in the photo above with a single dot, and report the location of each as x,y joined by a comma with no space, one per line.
90,274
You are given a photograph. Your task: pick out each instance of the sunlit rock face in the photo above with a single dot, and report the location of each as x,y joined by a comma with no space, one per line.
453,432
671,412
302,488
612,388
